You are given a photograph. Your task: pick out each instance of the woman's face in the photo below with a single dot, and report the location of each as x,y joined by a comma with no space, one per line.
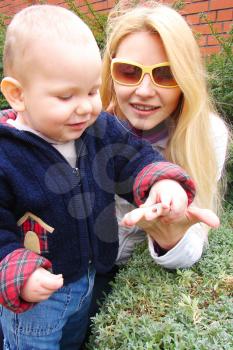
145,105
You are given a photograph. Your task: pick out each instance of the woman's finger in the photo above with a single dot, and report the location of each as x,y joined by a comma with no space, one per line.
207,216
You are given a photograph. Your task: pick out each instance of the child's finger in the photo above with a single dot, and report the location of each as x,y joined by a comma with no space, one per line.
146,213
151,200
52,282
131,218
155,211
165,200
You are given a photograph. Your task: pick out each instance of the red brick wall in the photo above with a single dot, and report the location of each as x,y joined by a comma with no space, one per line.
218,11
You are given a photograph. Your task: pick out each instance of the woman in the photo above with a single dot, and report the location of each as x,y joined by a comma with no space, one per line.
169,105
154,82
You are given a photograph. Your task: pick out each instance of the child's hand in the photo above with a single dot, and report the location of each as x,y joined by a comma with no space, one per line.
40,285
145,215
168,235
171,196
167,200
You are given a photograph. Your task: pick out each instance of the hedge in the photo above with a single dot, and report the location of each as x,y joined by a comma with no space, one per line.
152,308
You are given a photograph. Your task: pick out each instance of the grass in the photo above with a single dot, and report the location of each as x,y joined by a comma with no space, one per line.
152,308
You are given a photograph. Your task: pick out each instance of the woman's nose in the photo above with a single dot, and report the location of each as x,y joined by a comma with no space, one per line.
146,88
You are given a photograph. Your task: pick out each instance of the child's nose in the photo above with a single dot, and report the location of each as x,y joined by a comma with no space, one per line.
84,107
146,88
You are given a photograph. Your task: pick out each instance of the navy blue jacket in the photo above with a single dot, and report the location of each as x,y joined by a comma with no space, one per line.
72,210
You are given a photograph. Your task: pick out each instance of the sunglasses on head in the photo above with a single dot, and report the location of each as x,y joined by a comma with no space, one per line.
130,73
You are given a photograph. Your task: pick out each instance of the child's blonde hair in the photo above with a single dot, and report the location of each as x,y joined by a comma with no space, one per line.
36,23
191,144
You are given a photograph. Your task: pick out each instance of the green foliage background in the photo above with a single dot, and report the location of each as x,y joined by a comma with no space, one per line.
151,308
220,70
3,103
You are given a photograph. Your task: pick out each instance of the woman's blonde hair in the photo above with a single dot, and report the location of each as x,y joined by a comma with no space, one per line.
190,144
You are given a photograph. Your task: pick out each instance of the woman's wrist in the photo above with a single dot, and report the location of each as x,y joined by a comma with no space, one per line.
169,239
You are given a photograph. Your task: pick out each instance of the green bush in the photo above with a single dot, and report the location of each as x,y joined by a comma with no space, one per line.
229,174
3,102
220,68
151,308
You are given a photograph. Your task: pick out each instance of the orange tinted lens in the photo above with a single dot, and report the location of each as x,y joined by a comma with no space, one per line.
163,76
126,73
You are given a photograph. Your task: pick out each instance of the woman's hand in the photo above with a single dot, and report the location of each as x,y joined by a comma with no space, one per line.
155,221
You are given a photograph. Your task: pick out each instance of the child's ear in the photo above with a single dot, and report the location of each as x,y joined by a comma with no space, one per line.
13,92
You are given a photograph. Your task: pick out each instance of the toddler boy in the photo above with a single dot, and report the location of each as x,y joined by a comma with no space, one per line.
60,167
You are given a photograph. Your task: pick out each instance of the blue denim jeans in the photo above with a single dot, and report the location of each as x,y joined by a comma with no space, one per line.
57,323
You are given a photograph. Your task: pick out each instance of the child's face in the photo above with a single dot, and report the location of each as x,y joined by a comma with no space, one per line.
61,90
145,105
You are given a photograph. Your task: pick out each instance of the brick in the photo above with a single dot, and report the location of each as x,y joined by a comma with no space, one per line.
202,40
212,41
195,8
211,16
56,2
205,29
19,3
89,1
111,3
209,50
101,5
3,5
168,1
227,27
192,19
225,15
83,9
16,8
220,4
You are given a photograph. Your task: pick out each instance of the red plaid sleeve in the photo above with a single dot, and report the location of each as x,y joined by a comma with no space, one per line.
161,171
15,269
7,114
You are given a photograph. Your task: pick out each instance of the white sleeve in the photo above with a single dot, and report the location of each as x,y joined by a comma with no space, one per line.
186,252
190,248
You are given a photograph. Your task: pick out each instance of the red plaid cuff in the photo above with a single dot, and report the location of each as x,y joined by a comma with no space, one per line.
7,114
15,269
161,171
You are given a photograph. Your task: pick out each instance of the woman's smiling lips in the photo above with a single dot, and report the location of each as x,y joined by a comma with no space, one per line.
144,109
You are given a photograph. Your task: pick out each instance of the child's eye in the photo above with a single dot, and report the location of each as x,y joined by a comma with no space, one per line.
94,92
64,97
